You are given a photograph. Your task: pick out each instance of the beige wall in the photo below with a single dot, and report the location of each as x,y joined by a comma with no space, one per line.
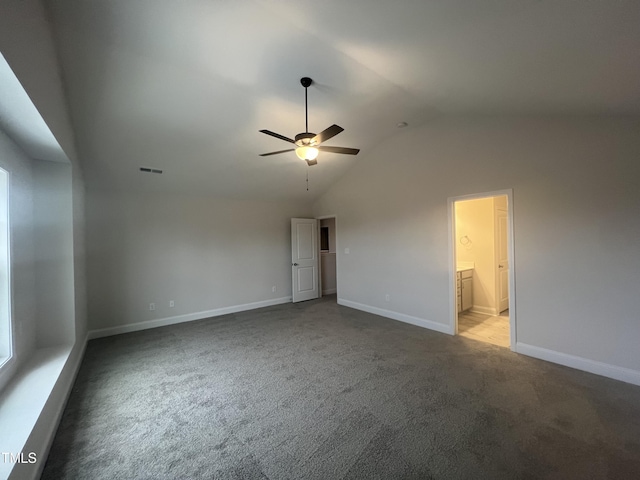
475,241
475,223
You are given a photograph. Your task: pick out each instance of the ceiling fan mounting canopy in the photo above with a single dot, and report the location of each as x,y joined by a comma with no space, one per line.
305,139
307,143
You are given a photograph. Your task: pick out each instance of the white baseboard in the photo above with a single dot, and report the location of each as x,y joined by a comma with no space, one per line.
484,310
420,322
189,317
329,291
606,370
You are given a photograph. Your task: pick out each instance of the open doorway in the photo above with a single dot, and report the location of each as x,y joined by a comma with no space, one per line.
481,267
328,257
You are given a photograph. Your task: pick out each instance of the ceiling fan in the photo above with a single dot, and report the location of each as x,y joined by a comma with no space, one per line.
307,143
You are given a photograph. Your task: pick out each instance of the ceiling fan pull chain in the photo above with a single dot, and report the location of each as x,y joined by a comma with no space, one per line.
307,178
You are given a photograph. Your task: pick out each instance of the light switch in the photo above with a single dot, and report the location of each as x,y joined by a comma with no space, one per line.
346,251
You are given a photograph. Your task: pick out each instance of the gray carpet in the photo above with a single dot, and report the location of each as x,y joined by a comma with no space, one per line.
319,391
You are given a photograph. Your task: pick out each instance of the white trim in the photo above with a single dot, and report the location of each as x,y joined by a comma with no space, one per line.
420,322
59,409
606,370
33,405
453,310
189,317
453,268
329,291
8,362
484,310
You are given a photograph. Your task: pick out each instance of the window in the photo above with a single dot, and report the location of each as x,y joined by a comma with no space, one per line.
6,340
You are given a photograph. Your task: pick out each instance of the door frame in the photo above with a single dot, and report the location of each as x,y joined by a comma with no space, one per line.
323,217
499,213
453,310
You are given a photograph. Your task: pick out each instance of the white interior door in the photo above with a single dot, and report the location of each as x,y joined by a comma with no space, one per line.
304,259
503,260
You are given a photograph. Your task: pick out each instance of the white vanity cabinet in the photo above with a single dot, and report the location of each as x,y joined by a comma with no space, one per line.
464,288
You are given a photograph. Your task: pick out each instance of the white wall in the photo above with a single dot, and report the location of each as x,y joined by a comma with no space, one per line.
53,232
43,305
27,45
79,253
33,401
203,253
575,205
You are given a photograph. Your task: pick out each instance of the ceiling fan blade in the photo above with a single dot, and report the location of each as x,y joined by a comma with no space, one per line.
275,153
277,135
346,151
325,135
312,162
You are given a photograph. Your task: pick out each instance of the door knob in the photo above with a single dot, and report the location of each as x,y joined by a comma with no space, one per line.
294,264
500,266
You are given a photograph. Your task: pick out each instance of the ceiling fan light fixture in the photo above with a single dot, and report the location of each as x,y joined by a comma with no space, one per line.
307,153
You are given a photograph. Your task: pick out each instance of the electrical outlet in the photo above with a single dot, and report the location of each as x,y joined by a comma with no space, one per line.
346,251
171,304
273,289
152,306
387,298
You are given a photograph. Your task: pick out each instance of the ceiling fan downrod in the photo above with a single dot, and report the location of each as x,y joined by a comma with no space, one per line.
306,82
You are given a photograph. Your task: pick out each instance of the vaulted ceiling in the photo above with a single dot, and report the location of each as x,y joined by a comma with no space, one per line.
184,86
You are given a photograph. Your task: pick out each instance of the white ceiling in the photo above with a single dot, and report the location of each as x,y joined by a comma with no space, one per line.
185,86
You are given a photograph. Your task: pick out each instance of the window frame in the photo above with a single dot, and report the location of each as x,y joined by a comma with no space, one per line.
8,358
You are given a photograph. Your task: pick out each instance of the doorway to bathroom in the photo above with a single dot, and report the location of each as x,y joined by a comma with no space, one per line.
482,267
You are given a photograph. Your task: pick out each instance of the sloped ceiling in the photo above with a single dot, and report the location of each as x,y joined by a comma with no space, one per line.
184,86
20,119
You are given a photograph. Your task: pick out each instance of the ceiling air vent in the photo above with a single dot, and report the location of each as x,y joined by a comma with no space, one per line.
150,170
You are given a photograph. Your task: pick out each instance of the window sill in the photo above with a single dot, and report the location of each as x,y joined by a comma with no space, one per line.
24,399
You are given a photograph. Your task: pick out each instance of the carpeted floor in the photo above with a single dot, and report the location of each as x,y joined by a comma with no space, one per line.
319,391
